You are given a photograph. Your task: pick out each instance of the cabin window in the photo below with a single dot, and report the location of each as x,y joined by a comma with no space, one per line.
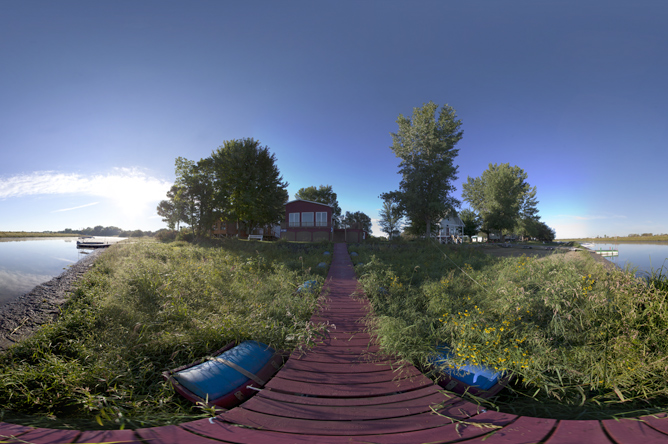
307,219
294,219
321,219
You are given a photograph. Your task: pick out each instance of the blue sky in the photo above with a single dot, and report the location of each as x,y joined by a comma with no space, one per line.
99,98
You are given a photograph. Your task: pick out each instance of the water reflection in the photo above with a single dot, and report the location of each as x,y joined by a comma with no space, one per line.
643,257
25,263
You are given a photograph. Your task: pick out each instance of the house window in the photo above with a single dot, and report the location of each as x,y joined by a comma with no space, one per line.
307,219
320,219
294,219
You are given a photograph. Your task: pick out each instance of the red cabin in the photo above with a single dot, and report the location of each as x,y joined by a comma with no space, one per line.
307,221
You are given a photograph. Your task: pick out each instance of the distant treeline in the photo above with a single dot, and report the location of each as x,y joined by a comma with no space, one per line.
99,230
95,231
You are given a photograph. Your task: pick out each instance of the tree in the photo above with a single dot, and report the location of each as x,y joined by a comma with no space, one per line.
390,216
501,196
426,147
323,194
357,220
471,222
249,187
194,194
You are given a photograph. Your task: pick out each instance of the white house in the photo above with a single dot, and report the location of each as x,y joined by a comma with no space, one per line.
450,230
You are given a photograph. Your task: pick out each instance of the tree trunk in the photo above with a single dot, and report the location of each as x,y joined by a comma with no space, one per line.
428,220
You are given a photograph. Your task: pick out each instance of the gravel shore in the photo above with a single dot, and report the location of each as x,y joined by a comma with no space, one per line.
24,315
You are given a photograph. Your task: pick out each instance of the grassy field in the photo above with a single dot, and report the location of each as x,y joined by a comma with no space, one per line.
580,341
149,307
34,234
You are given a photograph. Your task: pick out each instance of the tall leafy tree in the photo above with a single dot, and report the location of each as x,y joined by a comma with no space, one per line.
471,222
249,186
194,194
501,196
390,216
357,220
425,144
322,194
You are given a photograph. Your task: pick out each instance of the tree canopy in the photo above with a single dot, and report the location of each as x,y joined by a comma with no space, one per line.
238,182
426,146
502,197
471,222
357,220
322,194
249,186
390,217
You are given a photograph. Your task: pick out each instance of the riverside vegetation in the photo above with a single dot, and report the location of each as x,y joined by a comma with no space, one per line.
145,308
580,341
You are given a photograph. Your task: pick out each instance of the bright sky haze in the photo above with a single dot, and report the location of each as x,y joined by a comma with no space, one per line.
99,98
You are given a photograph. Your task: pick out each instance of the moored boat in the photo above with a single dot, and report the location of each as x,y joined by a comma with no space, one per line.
231,376
478,380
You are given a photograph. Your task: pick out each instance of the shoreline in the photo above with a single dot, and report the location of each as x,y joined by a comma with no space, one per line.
24,315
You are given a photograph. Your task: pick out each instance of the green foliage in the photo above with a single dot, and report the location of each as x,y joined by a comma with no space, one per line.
426,146
357,220
580,341
471,220
501,196
390,216
323,194
249,186
148,307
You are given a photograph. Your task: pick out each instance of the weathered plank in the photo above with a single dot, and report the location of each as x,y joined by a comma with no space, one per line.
345,412
109,436
420,393
568,432
629,431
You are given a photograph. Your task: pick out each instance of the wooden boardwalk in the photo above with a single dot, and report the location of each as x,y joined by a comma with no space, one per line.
342,392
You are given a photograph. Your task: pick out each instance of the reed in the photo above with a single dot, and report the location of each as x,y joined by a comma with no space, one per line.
586,341
145,308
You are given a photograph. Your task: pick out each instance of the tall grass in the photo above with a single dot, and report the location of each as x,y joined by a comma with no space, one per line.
579,340
148,307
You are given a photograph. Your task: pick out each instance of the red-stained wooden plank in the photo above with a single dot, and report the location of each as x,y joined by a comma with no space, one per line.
340,358
108,436
630,431
477,427
343,342
342,428
569,431
330,367
370,400
525,430
344,413
341,391
350,378
172,435
233,433
658,422
46,436
7,429
344,335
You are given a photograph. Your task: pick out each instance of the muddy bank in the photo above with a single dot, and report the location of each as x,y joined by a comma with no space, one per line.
24,315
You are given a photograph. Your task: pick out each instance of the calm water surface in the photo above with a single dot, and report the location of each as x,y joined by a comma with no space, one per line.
642,256
25,263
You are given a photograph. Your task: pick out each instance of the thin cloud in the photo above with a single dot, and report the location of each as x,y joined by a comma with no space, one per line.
76,208
119,184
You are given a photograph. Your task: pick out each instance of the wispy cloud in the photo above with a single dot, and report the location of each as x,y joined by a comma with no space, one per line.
120,182
75,208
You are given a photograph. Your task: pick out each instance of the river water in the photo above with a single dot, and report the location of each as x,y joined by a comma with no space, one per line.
26,263
642,256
